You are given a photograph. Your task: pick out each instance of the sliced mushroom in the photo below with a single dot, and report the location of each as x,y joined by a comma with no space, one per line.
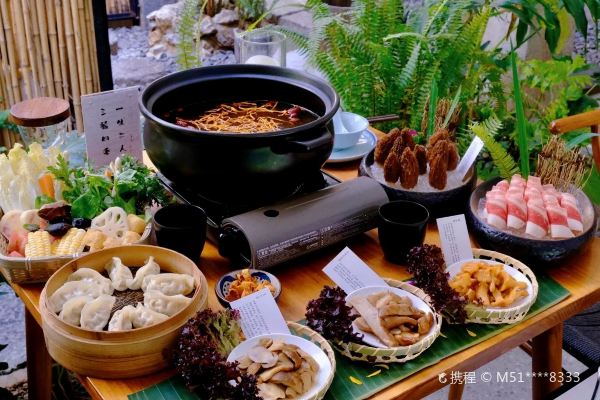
394,321
293,355
373,298
244,362
270,391
265,342
277,345
291,393
424,324
253,368
407,338
396,309
306,376
311,361
267,374
260,354
362,325
384,300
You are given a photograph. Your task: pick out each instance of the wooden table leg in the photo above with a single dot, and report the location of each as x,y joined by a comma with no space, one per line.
39,362
456,391
547,358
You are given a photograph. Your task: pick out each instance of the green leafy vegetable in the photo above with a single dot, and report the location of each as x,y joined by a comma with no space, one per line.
43,199
132,187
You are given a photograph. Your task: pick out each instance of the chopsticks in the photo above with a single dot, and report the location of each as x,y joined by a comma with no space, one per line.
383,118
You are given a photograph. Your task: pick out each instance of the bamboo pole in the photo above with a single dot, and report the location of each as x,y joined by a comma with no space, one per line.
70,39
62,48
89,18
53,38
12,55
7,92
86,49
76,37
46,55
36,62
23,48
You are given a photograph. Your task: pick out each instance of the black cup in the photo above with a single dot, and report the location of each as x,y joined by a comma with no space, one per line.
402,226
181,227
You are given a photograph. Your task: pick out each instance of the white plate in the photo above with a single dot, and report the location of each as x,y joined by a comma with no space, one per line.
309,347
455,268
365,144
373,340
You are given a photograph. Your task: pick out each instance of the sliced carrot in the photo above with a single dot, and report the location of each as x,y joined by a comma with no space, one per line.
46,182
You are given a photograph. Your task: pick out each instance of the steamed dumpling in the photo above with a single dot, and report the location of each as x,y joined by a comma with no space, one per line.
121,319
169,284
71,311
168,305
72,289
143,316
150,268
91,275
119,274
96,313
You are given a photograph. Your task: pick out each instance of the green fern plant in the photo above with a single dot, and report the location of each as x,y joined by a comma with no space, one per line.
188,48
486,131
382,60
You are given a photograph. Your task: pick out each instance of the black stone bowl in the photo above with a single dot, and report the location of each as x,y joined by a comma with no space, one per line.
536,253
440,203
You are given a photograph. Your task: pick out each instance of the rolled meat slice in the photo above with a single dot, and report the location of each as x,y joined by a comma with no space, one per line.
502,185
537,220
534,182
550,189
516,211
559,226
496,212
532,192
550,199
574,220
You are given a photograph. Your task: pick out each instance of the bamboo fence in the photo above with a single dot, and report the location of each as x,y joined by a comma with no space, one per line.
47,48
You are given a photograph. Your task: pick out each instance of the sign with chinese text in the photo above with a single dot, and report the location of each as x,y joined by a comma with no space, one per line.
112,125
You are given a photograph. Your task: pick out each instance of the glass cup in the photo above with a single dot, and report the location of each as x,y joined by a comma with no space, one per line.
402,226
261,46
181,227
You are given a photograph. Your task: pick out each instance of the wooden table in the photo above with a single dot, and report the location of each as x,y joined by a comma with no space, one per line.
302,280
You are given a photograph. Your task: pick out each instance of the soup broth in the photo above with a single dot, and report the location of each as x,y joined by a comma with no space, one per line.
242,117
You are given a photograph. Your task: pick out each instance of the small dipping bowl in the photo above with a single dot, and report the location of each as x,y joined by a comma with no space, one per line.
355,125
181,227
402,226
223,284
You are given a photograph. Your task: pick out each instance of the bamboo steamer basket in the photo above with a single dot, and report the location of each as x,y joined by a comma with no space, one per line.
123,354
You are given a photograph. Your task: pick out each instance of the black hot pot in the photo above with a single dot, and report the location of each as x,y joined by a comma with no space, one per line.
230,167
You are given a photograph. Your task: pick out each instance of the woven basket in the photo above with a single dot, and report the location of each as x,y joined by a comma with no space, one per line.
38,270
402,354
480,315
305,332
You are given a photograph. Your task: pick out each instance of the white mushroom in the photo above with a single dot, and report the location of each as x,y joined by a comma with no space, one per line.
270,391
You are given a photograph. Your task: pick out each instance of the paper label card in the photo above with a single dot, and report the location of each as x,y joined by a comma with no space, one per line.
350,273
469,157
259,314
112,125
454,235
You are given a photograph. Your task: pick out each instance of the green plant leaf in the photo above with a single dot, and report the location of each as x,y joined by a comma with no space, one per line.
580,138
591,186
433,98
502,160
452,108
577,10
522,141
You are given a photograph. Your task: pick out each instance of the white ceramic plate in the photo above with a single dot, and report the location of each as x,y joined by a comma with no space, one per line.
366,143
455,268
309,347
373,340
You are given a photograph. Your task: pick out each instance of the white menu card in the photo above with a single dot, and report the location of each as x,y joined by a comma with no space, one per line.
259,314
350,273
454,236
112,125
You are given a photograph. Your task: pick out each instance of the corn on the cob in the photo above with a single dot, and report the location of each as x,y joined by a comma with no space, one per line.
71,243
38,244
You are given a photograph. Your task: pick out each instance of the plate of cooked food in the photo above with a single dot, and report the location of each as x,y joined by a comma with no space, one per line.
391,317
242,282
496,291
286,366
423,173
